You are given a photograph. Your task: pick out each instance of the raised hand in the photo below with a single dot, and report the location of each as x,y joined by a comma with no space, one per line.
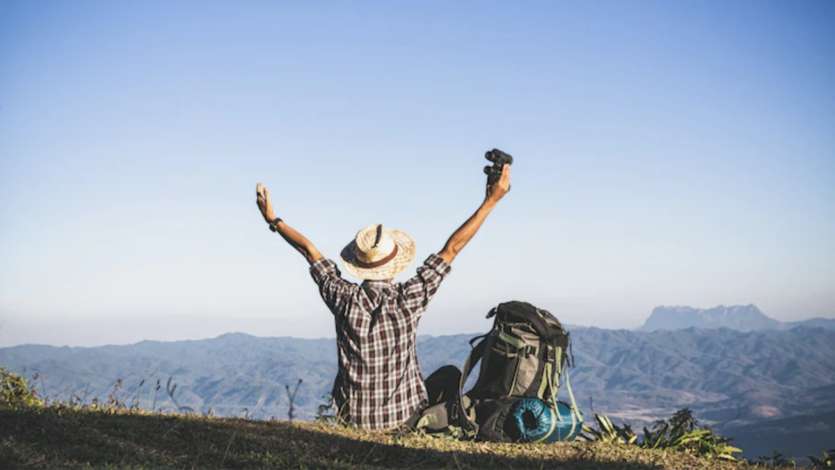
497,190
262,198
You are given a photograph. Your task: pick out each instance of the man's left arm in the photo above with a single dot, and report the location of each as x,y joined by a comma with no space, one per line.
419,290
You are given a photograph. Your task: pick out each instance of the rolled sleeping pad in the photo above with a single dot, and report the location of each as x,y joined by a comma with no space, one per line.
569,425
534,421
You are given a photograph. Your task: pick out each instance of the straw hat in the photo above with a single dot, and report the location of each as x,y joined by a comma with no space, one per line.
377,253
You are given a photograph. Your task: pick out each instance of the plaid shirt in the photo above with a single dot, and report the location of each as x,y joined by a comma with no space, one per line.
378,384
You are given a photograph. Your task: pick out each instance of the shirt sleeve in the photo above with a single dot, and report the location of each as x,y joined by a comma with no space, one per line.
419,290
334,290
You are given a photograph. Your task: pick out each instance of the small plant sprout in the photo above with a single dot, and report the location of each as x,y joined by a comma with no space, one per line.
291,396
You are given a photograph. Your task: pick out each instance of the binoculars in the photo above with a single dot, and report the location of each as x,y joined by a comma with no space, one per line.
499,159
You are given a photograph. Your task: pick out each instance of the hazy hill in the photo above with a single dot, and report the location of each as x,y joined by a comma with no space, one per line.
808,433
233,374
730,378
735,317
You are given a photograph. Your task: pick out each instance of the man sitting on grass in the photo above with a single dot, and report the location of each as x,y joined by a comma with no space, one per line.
378,384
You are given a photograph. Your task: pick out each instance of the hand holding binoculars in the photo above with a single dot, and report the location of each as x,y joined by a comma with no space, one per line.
499,159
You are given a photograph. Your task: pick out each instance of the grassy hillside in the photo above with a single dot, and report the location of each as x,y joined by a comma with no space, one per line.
53,437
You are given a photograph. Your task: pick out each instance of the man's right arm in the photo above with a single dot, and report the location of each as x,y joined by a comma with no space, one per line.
292,236
468,229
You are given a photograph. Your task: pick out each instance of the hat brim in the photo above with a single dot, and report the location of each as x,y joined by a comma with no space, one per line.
405,256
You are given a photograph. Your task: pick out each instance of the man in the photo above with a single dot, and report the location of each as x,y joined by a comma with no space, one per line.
378,384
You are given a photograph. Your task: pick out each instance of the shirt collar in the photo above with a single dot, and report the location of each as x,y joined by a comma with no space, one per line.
378,285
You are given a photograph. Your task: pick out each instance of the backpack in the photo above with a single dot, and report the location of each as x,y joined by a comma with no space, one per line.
523,358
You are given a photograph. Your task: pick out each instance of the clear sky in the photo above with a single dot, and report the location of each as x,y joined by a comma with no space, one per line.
669,153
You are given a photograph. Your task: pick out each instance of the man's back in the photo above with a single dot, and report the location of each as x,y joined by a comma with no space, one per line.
379,384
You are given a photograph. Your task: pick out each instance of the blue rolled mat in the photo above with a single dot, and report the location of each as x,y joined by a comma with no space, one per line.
535,421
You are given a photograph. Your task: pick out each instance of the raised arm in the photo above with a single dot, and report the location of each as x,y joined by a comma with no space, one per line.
465,232
291,235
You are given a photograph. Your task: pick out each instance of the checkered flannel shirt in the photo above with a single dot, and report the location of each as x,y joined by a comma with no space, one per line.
378,384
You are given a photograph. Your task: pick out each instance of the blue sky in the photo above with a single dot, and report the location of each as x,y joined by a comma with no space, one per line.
677,153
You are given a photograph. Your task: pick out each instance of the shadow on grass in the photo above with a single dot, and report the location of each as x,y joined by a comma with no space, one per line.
52,438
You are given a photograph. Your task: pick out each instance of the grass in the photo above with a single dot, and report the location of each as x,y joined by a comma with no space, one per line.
66,437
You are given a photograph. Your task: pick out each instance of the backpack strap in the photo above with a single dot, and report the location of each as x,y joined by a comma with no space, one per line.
576,414
574,406
475,355
552,381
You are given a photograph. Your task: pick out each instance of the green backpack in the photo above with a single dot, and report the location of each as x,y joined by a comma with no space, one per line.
523,358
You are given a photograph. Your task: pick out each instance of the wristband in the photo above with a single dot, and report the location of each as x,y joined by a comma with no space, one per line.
274,224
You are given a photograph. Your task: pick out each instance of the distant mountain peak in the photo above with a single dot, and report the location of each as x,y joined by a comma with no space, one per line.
737,317
235,334
234,338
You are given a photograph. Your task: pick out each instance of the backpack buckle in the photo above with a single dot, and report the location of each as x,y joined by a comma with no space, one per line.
550,354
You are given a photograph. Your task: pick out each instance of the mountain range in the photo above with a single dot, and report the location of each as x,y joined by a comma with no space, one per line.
735,317
740,382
